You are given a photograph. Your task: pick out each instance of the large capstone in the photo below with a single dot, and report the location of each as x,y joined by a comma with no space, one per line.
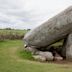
57,28
51,31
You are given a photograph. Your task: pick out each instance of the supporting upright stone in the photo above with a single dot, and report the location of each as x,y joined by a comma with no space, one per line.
68,47
63,49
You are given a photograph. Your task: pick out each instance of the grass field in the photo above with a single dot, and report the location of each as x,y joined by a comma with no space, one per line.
12,59
5,32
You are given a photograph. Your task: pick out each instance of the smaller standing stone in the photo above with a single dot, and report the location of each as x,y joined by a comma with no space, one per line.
68,46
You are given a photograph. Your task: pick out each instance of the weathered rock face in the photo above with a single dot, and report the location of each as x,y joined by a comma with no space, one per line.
48,55
39,58
51,31
44,56
68,47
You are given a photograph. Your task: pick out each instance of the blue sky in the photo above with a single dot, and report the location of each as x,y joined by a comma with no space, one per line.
23,14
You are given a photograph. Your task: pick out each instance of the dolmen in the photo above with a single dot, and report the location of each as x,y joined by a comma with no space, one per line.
56,28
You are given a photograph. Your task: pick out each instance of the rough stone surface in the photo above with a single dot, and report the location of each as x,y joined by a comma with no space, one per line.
51,31
47,55
68,47
39,58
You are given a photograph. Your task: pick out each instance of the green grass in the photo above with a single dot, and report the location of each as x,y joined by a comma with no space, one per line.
14,59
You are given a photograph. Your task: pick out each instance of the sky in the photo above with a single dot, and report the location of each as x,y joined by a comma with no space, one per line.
28,14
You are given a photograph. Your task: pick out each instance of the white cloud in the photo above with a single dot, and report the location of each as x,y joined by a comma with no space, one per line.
29,13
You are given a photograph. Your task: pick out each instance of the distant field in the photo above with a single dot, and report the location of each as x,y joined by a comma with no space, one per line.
14,59
12,34
12,31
